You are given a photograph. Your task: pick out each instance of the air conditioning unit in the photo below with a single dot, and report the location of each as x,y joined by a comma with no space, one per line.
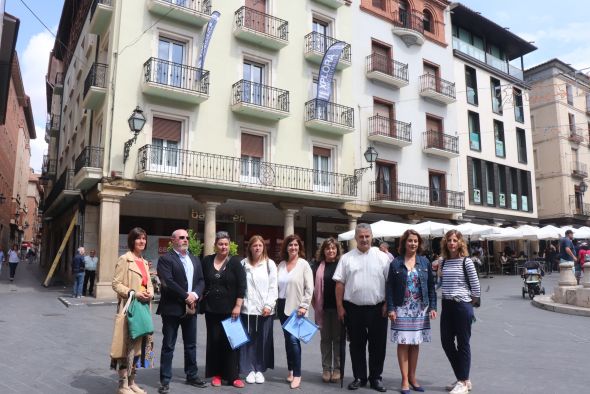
477,196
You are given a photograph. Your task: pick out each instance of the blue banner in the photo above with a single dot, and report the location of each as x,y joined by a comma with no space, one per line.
206,38
327,70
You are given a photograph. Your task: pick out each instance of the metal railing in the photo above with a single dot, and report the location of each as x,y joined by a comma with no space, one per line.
49,166
386,65
95,4
439,85
383,190
317,42
187,164
579,169
53,123
64,182
176,75
408,20
91,156
489,59
201,6
579,207
97,77
440,140
254,93
382,125
318,109
262,23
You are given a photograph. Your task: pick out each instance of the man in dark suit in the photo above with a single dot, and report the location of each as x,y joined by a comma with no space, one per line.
181,275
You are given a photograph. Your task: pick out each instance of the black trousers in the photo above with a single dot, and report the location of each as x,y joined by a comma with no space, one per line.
365,323
455,333
220,359
88,276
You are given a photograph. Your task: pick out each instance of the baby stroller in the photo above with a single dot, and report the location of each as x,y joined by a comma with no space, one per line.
532,276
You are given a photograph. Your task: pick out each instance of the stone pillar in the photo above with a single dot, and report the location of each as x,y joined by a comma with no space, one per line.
586,278
108,237
352,222
210,227
289,227
566,274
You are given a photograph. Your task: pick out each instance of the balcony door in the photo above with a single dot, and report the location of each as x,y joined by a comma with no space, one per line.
381,58
435,135
386,181
322,167
252,156
433,80
255,20
253,81
404,10
384,118
171,55
320,39
437,187
166,135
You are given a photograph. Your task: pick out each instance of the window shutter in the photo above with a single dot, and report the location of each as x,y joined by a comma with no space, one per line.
166,129
252,145
317,151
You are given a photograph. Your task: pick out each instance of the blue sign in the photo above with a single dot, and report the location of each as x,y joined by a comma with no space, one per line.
206,38
327,70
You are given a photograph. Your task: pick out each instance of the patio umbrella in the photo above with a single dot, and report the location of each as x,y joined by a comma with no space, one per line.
550,232
382,228
475,231
582,233
431,229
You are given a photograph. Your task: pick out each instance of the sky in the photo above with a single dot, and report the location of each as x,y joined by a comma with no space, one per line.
557,29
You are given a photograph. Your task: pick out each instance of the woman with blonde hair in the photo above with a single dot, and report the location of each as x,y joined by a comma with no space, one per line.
460,288
324,305
132,275
257,311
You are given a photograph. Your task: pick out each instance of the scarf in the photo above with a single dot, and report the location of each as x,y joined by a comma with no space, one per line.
318,295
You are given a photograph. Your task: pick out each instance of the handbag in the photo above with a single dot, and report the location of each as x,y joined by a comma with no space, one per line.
119,343
139,319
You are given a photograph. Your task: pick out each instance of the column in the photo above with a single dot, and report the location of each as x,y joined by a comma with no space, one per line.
108,237
210,226
289,227
352,222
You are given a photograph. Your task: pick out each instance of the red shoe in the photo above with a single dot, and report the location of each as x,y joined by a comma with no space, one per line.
216,381
238,383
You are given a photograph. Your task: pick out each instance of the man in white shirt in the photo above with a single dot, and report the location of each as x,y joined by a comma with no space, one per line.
360,299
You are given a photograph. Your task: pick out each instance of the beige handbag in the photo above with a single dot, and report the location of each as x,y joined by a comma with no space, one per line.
120,333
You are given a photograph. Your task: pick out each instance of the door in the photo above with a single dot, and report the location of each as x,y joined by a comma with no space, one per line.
381,58
255,15
437,189
435,137
322,168
164,156
383,120
252,154
171,58
320,38
403,10
433,80
386,181
253,81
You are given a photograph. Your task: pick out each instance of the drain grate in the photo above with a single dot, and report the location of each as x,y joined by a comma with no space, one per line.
52,314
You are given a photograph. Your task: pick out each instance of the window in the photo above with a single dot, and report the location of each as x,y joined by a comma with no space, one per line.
379,4
489,183
255,20
435,136
499,138
502,186
171,56
436,180
471,83
572,123
524,191
514,188
385,182
579,200
321,169
476,181
521,145
381,58
383,118
253,81
166,135
588,103
252,154
403,10
518,107
570,94
496,95
474,133
320,39
427,21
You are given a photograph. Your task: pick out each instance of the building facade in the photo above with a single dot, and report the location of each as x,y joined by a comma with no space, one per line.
560,117
33,221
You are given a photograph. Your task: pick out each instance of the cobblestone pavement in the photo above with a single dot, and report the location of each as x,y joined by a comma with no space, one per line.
47,347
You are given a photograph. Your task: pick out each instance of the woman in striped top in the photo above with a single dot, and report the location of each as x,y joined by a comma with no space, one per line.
459,285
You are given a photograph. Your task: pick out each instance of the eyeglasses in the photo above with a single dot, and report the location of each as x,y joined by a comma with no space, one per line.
182,237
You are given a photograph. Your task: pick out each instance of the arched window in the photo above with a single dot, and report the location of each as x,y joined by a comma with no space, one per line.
404,9
427,21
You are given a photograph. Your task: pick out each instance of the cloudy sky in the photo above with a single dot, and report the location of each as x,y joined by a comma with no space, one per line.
557,29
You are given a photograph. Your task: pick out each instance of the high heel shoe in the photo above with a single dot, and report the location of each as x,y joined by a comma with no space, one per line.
420,389
296,382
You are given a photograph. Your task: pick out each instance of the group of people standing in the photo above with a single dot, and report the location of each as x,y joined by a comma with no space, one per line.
84,272
356,292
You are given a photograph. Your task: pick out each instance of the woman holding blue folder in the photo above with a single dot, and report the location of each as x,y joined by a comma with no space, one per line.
295,283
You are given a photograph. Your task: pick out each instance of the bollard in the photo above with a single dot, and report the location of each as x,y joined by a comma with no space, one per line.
566,274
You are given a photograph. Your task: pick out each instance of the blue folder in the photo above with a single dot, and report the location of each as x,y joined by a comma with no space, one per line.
235,332
300,327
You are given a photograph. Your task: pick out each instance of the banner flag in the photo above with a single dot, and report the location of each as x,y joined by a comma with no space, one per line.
206,38
326,75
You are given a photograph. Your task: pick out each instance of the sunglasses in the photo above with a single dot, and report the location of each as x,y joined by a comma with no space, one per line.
182,237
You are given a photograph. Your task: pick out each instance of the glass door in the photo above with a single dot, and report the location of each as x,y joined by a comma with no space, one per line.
171,58
253,79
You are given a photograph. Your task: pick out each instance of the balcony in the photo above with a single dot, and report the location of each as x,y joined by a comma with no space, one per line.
409,27
439,144
389,131
53,125
261,29
58,83
331,3
95,86
330,117
415,197
191,12
574,136
317,44
261,101
486,58
578,207
62,193
88,168
437,89
391,72
579,170
192,168
100,16
175,82
47,170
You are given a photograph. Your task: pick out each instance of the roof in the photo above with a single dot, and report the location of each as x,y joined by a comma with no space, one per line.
564,68
512,45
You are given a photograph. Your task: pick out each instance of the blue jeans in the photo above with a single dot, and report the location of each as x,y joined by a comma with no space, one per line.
188,326
78,282
455,323
292,344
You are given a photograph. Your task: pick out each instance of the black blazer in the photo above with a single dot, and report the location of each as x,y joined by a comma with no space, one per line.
174,283
221,291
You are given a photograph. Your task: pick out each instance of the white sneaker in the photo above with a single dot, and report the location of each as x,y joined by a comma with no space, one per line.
452,385
459,388
251,378
259,377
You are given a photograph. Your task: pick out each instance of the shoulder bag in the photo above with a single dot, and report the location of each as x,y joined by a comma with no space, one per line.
139,319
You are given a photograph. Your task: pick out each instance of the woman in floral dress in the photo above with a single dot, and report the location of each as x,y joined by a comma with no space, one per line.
411,303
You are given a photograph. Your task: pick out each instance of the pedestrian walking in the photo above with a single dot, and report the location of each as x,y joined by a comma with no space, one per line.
225,289
411,303
360,299
324,306
13,260
90,264
31,255
2,258
132,275
257,355
78,272
182,285
460,288
295,292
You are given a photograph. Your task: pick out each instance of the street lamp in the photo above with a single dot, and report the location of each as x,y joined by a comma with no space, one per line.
371,156
136,122
583,187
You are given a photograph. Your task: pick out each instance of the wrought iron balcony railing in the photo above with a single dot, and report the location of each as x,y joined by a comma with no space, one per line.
49,167
438,140
408,20
384,190
176,75
254,93
97,77
382,125
386,65
317,109
262,23
316,42
53,123
201,6
579,207
64,182
439,85
579,169
91,156
236,171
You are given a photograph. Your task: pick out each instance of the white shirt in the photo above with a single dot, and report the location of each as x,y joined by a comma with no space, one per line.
13,257
363,275
189,270
282,281
261,290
